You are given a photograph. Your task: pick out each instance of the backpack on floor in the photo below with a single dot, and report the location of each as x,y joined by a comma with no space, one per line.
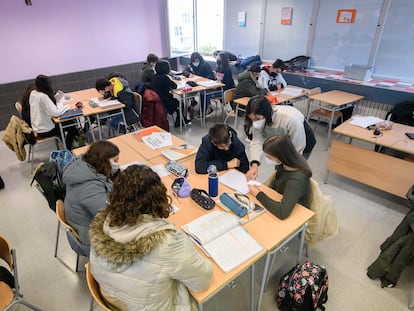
303,288
47,179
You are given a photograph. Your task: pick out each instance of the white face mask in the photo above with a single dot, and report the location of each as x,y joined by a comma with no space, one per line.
195,64
271,161
259,124
115,167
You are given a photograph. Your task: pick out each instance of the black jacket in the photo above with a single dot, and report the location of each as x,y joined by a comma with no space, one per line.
202,70
162,85
209,154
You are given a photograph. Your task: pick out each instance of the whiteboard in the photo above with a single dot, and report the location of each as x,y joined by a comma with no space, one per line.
337,45
396,49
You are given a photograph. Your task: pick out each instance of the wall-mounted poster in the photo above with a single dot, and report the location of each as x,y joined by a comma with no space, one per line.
286,16
346,16
241,19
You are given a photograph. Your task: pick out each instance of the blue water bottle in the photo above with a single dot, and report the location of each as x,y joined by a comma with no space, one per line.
212,181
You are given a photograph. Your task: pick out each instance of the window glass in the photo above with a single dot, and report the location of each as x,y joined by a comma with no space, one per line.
209,25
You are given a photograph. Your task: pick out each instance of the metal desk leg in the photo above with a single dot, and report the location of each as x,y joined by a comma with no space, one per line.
252,287
98,120
62,134
235,117
301,243
263,283
328,142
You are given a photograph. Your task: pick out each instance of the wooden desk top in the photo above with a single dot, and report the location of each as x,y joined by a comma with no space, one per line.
336,98
198,88
126,153
84,96
394,138
281,98
147,152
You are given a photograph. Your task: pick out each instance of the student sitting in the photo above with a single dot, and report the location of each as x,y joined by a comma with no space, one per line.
88,182
247,86
148,71
118,88
198,66
271,77
140,260
263,122
162,84
222,148
292,177
42,107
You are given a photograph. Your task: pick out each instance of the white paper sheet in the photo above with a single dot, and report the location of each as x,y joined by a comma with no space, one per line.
365,121
160,170
158,140
291,91
235,180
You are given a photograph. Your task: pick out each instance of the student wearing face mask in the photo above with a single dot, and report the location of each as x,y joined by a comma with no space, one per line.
248,83
264,122
292,177
198,66
222,148
88,182
271,77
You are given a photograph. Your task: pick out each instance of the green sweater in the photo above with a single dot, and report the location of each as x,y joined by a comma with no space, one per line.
295,188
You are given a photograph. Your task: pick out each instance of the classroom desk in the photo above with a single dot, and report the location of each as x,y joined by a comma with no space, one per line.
85,95
281,99
126,153
271,232
145,151
184,94
375,169
333,101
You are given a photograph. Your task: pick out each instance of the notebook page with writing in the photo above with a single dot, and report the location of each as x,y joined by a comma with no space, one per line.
233,248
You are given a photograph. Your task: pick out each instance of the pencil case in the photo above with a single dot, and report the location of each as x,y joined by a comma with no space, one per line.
233,205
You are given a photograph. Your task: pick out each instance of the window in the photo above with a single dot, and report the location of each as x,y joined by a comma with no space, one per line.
204,34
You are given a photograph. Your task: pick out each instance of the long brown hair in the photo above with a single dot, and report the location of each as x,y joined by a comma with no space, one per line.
98,156
137,190
281,147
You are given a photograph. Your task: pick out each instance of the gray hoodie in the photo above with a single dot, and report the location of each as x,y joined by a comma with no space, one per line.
86,194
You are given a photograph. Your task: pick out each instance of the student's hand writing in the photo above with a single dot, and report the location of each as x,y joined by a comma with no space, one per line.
253,190
253,172
233,163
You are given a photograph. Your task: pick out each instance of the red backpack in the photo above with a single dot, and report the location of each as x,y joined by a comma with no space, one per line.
153,111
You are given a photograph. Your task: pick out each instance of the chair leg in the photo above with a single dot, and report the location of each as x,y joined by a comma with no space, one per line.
57,238
77,263
91,306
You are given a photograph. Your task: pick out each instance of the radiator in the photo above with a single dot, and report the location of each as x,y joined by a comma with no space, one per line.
364,108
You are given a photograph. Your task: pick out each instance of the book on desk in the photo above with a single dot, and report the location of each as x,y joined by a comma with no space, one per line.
180,152
221,237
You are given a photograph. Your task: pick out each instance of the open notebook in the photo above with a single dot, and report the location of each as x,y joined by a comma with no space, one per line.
221,237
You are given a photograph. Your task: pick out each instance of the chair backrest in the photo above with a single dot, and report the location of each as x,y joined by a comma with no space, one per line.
138,99
19,108
94,288
314,91
229,95
60,213
6,252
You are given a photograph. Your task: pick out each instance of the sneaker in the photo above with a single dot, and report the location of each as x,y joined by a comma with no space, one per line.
209,111
386,283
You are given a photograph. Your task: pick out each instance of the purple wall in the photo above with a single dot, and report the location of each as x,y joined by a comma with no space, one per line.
61,36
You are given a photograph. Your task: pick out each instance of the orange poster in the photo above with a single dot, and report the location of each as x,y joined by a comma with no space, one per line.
346,16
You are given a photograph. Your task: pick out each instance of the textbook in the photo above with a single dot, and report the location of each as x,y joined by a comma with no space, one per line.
71,113
146,132
105,103
180,152
221,237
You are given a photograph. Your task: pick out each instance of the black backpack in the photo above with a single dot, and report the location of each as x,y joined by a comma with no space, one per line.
47,179
298,63
402,113
303,288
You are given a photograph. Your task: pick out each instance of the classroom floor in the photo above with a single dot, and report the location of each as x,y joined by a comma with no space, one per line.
366,217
